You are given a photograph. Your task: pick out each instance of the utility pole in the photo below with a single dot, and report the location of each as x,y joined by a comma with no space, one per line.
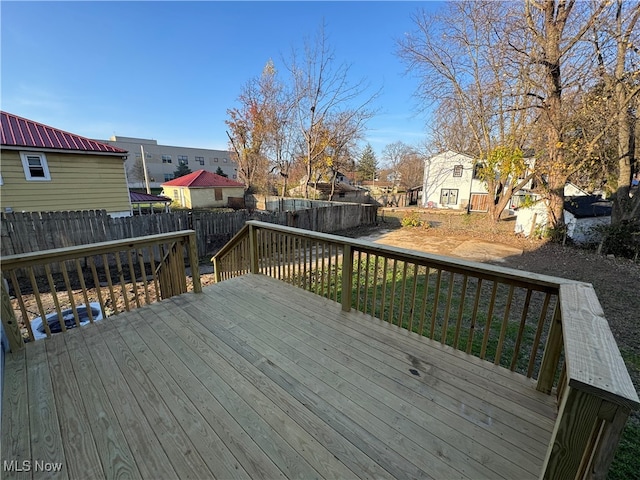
144,166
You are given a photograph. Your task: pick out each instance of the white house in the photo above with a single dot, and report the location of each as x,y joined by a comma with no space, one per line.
450,181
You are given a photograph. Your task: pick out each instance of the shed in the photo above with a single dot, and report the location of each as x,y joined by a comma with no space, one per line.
582,214
202,189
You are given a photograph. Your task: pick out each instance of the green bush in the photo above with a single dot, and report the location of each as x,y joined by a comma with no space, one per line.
621,240
413,219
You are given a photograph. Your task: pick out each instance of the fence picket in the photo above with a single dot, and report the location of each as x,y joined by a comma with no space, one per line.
24,232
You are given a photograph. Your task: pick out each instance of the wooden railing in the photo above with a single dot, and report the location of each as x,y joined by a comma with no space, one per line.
117,275
547,328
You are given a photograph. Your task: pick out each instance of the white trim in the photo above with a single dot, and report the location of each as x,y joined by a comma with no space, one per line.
43,163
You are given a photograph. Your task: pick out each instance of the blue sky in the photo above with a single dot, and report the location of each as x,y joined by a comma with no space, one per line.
170,70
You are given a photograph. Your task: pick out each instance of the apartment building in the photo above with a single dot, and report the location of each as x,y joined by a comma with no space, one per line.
162,160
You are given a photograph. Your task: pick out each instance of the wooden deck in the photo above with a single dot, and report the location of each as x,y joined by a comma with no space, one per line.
257,379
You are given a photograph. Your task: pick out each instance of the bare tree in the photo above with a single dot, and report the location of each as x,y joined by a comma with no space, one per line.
249,125
617,47
481,96
136,171
393,155
411,169
322,93
280,134
341,149
559,68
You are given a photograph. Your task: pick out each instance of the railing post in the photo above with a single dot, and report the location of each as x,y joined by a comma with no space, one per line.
608,443
551,355
9,320
574,436
253,249
194,262
216,269
347,277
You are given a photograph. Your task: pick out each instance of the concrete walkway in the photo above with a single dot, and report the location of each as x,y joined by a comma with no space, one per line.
470,249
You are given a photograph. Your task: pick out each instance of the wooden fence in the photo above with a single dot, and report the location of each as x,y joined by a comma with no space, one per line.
38,231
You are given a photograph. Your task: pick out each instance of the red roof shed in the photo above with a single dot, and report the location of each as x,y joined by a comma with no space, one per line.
202,179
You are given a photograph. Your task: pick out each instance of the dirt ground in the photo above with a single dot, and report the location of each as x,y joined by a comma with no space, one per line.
616,280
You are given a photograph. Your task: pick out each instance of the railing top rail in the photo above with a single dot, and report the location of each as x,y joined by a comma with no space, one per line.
593,361
234,240
485,270
68,253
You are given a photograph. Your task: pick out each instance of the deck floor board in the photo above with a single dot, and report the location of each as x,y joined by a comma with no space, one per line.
258,379
375,388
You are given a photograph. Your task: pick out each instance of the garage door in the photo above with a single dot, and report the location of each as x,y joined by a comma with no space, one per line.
479,202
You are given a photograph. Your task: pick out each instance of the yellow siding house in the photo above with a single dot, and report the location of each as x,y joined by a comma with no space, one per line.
202,189
46,169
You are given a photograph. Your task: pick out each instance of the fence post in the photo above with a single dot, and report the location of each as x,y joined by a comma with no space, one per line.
194,262
347,277
253,249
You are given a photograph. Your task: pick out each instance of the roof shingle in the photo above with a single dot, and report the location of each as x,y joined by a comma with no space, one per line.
202,179
19,132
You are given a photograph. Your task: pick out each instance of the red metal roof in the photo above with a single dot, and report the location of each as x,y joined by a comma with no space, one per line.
202,179
139,197
19,132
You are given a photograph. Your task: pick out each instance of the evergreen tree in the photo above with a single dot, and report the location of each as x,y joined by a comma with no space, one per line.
221,173
181,171
367,168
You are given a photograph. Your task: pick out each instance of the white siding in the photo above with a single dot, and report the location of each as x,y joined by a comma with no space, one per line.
439,177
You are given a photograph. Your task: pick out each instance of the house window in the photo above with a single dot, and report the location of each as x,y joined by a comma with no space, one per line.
166,158
175,194
235,176
457,171
449,196
218,193
138,155
183,160
225,160
200,160
476,171
215,160
35,166
168,176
